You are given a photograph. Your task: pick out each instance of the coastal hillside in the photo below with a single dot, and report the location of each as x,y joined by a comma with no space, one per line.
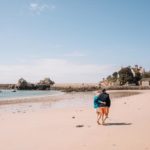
128,76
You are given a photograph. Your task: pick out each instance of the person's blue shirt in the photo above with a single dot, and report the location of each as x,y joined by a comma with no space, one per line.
97,102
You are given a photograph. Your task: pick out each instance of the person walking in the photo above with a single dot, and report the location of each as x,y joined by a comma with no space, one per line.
104,105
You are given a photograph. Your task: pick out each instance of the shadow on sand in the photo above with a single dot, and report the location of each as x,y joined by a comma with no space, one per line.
118,124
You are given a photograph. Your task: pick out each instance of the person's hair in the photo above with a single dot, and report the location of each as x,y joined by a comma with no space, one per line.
103,90
99,91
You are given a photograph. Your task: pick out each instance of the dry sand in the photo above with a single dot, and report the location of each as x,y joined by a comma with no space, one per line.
128,128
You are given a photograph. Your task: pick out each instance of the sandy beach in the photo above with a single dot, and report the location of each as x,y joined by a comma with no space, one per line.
128,127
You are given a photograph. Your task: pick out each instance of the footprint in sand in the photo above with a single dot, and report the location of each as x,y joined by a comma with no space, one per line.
114,145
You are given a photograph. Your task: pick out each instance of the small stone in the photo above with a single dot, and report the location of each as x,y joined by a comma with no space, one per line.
79,126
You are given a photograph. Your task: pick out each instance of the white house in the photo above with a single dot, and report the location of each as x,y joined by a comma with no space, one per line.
145,82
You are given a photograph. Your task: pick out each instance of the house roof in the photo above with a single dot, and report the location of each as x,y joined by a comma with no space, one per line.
145,79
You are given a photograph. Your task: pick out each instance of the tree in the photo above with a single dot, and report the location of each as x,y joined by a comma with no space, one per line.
125,75
115,76
109,78
146,75
137,78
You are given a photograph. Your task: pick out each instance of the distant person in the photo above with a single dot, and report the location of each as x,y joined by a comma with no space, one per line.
101,104
104,107
97,104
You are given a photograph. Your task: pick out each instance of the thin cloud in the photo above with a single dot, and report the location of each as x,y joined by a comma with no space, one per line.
53,7
59,70
39,8
75,54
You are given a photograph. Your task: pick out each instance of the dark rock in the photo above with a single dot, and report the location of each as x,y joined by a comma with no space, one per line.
79,126
42,85
11,86
14,91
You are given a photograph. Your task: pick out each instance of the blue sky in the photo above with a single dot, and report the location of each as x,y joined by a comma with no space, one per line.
72,40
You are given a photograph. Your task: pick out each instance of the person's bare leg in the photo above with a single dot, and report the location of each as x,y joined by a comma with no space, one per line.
102,114
104,117
99,117
107,112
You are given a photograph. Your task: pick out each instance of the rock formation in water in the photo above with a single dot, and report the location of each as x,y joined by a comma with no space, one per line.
42,85
24,85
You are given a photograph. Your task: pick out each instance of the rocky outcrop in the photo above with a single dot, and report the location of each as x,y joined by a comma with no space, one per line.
24,85
42,85
11,86
46,81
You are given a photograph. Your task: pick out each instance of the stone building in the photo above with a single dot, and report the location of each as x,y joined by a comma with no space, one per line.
145,82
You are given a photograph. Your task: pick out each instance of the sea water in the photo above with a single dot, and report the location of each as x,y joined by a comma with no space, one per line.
10,94
75,100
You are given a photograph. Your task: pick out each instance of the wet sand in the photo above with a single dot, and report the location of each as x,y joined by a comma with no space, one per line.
64,96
